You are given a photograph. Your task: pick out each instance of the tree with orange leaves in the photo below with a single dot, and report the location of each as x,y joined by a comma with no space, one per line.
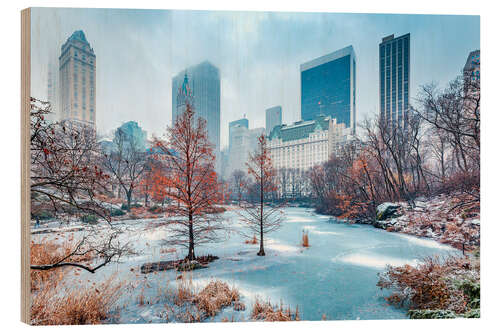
153,183
260,218
192,182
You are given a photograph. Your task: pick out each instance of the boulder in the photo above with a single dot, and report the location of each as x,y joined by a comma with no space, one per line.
384,224
387,210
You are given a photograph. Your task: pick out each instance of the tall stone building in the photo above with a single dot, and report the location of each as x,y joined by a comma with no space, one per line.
77,77
242,141
472,66
304,144
52,91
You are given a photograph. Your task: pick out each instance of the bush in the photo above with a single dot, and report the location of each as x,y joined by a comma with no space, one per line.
117,212
435,288
134,205
45,215
90,218
431,314
155,209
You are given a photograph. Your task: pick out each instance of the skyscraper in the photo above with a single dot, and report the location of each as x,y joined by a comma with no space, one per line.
243,122
52,91
394,58
77,88
328,87
203,81
273,118
473,65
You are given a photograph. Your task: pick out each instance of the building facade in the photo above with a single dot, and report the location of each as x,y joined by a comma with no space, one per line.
52,91
242,141
77,77
394,67
203,81
473,65
328,88
233,128
273,118
305,144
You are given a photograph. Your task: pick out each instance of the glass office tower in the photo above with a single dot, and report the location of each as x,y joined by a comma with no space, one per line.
394,57
328,87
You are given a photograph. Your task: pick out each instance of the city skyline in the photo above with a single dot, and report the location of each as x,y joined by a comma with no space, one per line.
255,75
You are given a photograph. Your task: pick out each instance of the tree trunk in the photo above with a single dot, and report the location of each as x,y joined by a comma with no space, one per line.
191,255
261,251
129,199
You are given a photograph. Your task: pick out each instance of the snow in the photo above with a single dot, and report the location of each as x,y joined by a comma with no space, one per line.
336,276
374,261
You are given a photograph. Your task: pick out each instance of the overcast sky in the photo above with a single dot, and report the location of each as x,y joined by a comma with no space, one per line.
258,54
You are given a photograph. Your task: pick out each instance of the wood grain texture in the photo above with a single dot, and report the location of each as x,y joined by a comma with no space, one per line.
25,163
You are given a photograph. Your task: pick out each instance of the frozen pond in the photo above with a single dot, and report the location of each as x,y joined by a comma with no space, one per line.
336,277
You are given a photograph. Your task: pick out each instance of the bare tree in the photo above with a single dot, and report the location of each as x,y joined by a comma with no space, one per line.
191,182
238,180
65,173
260,218
67,178
126,162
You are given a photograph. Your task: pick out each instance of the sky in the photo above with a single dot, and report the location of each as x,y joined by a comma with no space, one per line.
258,54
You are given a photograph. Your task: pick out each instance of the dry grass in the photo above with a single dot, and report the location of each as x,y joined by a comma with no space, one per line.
305,239
195,306
267,312
49,252
215,296
252,241
184,292
54,304
168,250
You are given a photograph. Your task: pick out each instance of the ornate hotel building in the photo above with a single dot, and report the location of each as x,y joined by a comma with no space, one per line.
77,88
305,144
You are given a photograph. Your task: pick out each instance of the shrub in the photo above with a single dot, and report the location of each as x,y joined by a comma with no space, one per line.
117,212
134,205
156,209
45,215
90,218
431,314
435,288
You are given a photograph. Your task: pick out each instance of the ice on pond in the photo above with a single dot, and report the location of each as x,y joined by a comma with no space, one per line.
336,276
374,261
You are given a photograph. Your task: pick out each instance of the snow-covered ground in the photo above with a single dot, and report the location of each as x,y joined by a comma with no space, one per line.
336,277
438,218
